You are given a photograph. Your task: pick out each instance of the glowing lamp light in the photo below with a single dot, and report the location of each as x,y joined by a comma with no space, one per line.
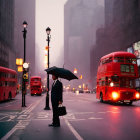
46,60
77,92
137,95
46,52
25,24
111,84
25,65
75,70
79,86
19,61
81,77
20,68
47,48
83,85
115,95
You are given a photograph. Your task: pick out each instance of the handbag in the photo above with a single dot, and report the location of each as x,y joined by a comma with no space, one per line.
62,110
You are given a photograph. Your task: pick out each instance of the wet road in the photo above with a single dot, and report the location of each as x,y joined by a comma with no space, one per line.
87,119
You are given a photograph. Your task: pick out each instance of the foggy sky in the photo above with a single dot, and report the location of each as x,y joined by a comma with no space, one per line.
49,13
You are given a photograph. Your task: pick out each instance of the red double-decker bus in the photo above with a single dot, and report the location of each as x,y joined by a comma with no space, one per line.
8,83
116,76
35,85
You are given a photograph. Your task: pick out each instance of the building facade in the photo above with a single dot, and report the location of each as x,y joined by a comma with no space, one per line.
80,24
7,48
25,11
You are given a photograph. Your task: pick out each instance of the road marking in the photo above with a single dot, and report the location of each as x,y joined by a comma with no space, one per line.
77,120
42,119
3,117
70,116
11,117
83,113
25,109
93,118
33,105
113,112
22,123
78,137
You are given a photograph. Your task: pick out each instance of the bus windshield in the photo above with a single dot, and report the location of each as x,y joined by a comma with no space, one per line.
36,79
126,82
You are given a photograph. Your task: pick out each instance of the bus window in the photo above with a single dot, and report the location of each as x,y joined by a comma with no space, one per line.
132,68
119,59
131,60
115,78
125,68
36,79
114,81
106,60
128,60
132,83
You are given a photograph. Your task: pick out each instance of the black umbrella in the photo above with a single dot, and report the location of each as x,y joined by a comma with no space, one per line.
61,72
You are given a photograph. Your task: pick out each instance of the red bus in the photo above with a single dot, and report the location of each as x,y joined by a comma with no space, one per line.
116,76
35,85
8,83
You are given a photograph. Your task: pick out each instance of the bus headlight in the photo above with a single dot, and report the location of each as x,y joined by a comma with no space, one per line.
137,95
115,95
111,84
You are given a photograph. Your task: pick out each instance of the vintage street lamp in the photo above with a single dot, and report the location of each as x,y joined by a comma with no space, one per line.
48,30
24,69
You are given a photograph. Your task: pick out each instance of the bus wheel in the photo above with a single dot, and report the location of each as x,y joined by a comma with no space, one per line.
10,96
101,98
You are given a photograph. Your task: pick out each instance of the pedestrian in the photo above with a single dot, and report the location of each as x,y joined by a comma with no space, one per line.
56,99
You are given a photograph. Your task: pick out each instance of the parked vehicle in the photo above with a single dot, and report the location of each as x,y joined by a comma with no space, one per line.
116,78
35,85
8,83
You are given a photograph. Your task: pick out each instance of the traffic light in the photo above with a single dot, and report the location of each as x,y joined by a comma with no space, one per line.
25,77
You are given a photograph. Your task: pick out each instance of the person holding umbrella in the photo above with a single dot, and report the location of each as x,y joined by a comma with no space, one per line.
56,99
57,90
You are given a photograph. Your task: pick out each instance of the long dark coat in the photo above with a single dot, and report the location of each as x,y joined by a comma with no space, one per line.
56,93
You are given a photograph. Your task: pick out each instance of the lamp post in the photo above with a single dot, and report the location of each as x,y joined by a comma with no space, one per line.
24,60
48,30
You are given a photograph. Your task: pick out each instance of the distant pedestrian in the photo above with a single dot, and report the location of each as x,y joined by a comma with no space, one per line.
56,99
